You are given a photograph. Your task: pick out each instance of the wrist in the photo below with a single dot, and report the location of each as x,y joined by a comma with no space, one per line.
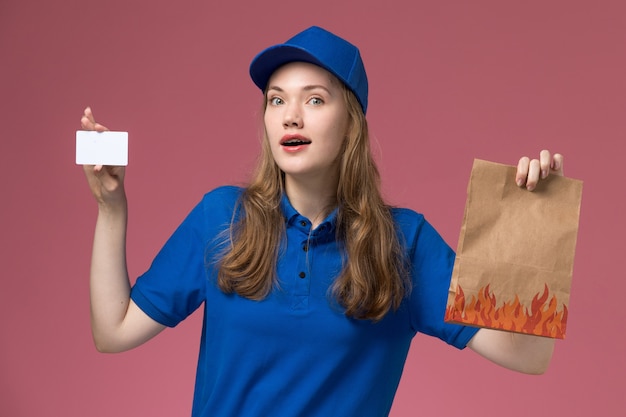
116,207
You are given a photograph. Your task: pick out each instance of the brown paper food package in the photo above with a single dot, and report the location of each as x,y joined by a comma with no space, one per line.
515,256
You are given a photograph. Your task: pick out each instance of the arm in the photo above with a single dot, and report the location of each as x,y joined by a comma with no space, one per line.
117,323
518,352
521,352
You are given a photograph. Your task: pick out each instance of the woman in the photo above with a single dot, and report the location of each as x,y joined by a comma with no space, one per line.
313,287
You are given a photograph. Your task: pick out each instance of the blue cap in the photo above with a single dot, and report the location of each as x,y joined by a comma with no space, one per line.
320,47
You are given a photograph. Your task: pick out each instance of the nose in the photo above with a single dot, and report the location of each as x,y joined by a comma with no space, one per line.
292,116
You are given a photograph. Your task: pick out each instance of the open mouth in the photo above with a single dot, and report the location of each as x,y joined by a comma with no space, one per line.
294,141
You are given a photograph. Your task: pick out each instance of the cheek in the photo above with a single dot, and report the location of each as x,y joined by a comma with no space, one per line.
271,116
339,132
271,144
266,122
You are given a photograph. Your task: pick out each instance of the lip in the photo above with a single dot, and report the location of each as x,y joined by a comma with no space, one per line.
294,148
290,137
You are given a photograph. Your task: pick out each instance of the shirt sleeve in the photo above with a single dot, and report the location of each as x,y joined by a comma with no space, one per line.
175,284
431,263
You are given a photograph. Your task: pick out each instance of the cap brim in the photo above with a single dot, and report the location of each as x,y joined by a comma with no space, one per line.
266,62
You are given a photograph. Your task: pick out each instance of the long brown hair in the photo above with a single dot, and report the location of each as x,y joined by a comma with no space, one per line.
374,278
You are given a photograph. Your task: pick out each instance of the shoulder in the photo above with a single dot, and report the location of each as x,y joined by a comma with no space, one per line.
223,197
406,215
416,232
407,221
215,208
224,193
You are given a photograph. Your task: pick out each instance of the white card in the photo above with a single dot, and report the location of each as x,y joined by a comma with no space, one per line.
101,148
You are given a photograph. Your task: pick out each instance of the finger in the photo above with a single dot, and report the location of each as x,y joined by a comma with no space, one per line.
87,169
88,122
85,123
544,163
557,164
99,128
89,114
522,171
92,170
534,172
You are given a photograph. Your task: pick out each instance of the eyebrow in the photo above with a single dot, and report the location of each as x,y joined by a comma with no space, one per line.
305,88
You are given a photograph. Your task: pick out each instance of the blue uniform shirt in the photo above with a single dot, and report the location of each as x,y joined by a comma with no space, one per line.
294,353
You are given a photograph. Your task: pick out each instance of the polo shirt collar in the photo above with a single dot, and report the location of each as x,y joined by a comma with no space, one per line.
295,219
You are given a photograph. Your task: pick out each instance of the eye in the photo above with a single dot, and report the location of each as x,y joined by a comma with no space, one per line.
275,101
316,101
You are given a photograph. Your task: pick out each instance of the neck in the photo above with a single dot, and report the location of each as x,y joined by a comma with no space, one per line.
311,199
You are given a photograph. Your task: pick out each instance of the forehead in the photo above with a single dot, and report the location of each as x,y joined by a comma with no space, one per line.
302,73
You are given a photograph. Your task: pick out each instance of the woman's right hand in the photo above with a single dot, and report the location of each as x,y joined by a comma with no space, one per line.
117,323
106,182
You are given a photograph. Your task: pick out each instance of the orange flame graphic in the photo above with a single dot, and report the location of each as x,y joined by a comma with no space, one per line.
542,319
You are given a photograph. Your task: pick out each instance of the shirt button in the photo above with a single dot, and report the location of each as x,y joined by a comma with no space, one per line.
302,223
302,275
305,247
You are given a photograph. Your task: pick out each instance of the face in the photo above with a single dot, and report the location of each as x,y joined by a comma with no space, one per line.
306,121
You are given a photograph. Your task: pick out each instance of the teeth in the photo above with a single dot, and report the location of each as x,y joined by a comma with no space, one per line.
295,142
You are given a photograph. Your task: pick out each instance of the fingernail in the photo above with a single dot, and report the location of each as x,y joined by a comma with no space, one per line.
520,182
544,173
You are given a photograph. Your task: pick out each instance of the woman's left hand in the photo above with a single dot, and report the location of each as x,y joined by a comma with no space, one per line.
530,171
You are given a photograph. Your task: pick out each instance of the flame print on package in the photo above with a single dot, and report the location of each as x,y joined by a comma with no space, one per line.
542,317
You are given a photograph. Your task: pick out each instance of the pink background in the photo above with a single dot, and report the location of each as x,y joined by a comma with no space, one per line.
450,81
